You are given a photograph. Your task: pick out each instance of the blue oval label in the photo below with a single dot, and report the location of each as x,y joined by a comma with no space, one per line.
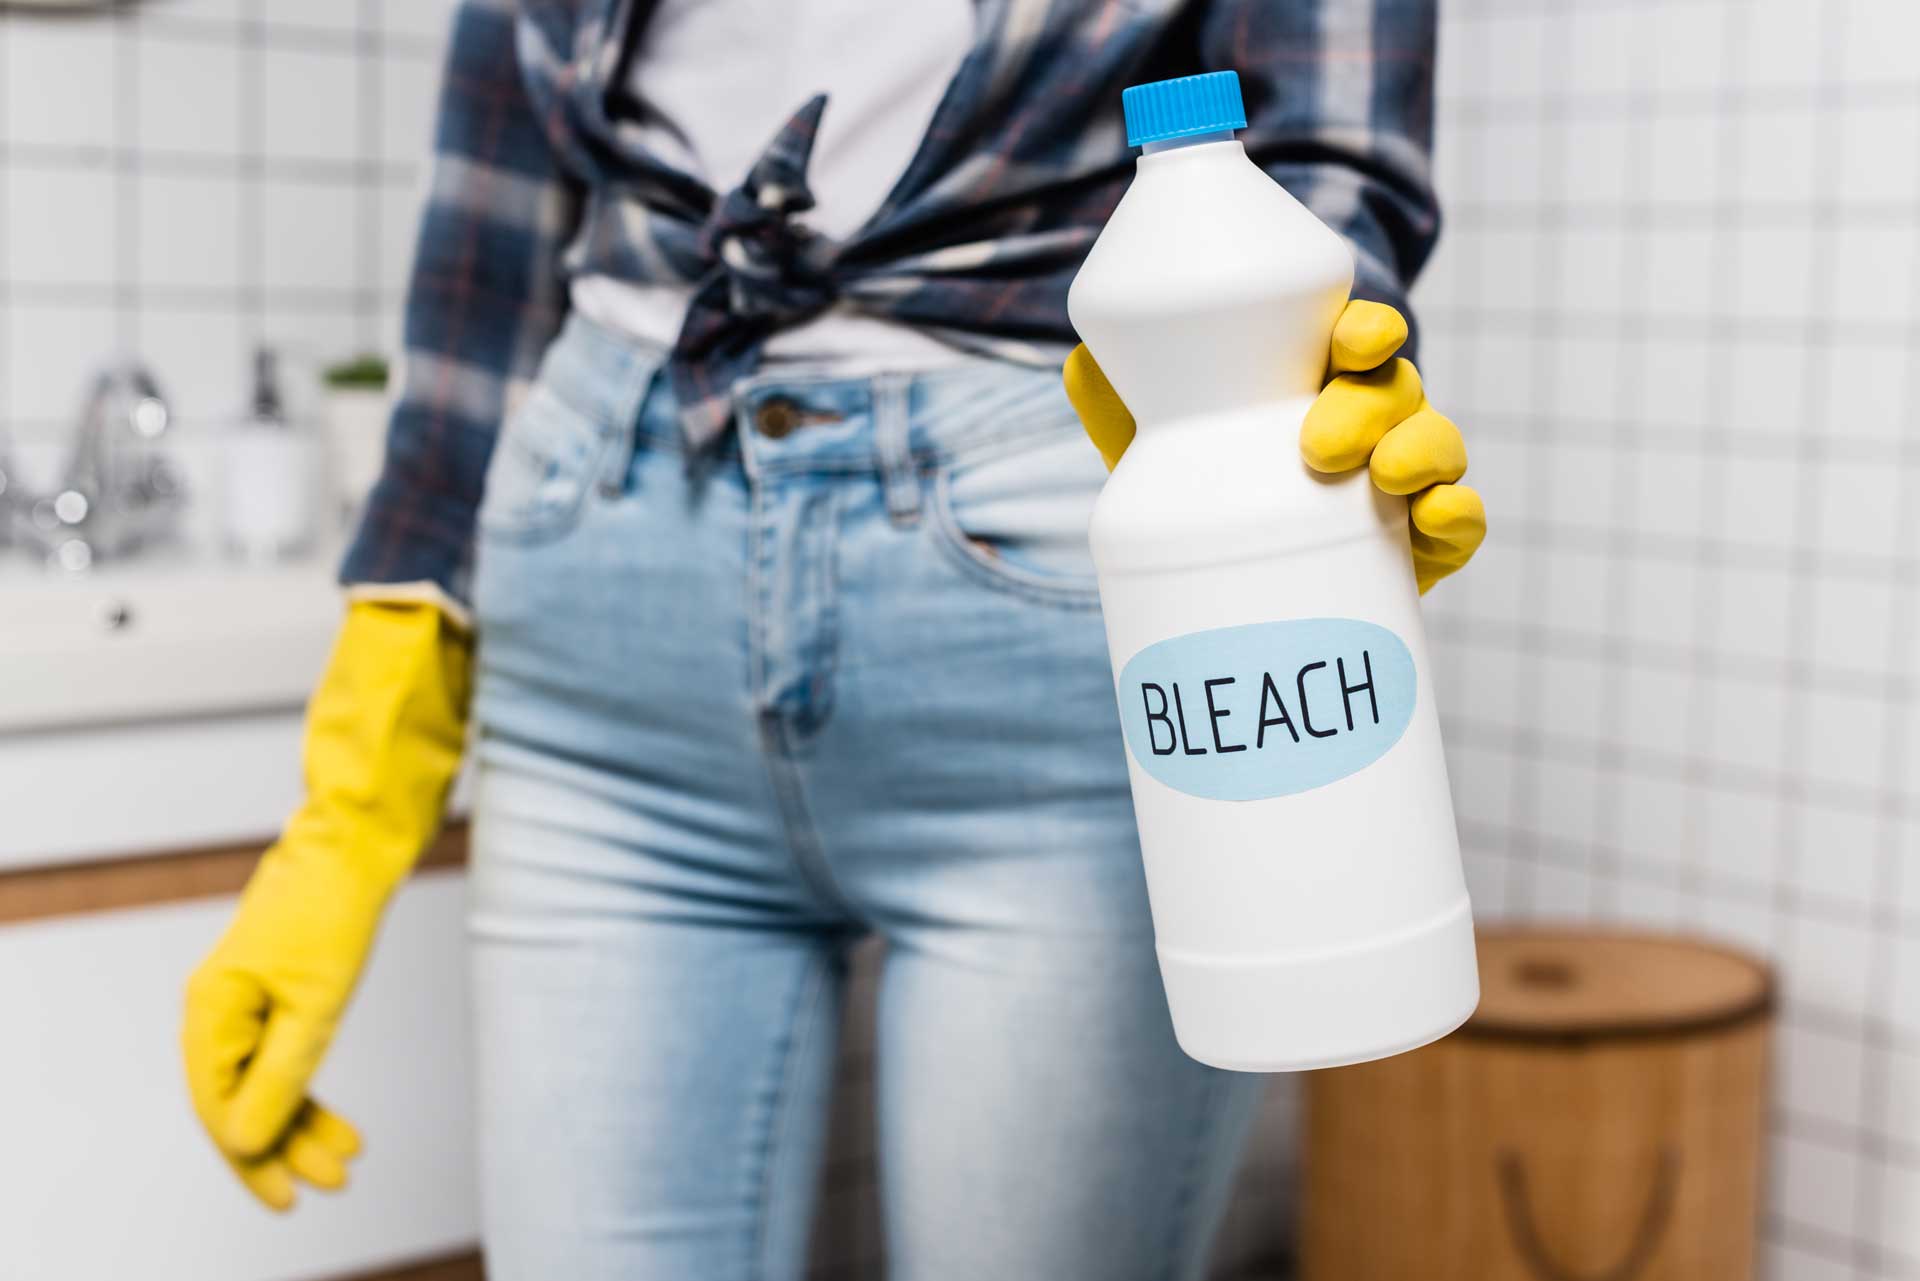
1266,709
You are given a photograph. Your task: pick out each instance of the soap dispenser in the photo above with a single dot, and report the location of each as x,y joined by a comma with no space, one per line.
271,474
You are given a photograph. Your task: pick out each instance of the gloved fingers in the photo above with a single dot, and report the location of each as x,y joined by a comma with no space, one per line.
274,1084
1354,411
1366,335
316,1149
1428,572
1426,449
268,1178
331,1130
313,1160
1433,560
1105,416
1449,522
225,1015
1451,515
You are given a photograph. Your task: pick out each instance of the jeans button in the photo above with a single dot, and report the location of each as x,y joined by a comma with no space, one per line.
776,417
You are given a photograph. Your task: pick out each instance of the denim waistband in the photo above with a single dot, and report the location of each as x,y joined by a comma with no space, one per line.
827,422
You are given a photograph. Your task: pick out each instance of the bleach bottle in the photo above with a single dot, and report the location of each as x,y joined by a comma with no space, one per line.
1264,625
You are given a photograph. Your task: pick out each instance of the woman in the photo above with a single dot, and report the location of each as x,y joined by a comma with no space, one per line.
767,512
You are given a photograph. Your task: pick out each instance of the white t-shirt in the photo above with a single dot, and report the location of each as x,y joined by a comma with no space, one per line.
717,78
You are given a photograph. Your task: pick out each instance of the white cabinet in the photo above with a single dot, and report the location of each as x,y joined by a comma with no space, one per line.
104,1172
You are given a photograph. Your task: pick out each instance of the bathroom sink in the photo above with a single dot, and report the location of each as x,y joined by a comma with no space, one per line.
160,640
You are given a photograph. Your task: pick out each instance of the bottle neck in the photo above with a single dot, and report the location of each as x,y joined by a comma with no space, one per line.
1191,140
1211,288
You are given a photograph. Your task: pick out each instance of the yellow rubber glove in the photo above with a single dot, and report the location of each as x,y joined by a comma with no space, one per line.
1372,412
384,736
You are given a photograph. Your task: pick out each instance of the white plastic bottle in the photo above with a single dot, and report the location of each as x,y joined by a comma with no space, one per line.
1264,626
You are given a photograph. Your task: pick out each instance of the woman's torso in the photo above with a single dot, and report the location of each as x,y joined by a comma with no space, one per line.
711,81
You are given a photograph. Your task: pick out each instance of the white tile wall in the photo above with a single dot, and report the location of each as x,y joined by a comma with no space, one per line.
1675,307
58,84
188,93
185,179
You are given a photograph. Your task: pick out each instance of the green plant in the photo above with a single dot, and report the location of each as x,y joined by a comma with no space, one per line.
362,373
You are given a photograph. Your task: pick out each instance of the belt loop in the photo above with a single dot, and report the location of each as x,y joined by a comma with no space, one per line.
626,428
619,461
898,476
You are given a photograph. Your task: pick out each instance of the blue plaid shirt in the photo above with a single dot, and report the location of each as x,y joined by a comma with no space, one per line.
539,177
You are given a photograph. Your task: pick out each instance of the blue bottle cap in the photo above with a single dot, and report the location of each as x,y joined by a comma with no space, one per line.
1183,107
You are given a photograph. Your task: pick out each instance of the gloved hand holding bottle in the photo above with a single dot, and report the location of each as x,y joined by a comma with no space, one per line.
1373,412
385,732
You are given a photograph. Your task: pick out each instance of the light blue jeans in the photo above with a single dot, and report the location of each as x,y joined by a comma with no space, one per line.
736,712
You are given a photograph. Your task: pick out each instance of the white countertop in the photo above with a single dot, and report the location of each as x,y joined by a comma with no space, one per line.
150,641
154,706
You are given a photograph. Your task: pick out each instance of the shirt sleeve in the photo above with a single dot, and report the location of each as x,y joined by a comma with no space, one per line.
1339,98
484,298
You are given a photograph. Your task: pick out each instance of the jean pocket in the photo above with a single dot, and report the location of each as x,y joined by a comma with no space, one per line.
1015,517
542,469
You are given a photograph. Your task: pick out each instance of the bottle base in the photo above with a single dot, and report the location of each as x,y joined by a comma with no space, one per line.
1322,1010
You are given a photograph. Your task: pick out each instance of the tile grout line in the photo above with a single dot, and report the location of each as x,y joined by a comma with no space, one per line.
7,403
370,76
1806,523
315,170
1875,1115
1760,784
1562,322
280,36
250,243
1617,653
1534,569
127,267
1566,854
1594,648
1703,560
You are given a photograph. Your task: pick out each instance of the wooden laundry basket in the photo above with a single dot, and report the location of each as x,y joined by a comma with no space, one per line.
1598,1119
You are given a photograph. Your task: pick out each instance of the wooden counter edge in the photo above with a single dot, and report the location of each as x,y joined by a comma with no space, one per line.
454,1267
145,880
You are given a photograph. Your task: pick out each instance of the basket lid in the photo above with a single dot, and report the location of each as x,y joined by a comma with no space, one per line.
1556,984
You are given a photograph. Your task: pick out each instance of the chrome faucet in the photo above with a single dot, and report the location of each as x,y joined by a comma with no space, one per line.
117,492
